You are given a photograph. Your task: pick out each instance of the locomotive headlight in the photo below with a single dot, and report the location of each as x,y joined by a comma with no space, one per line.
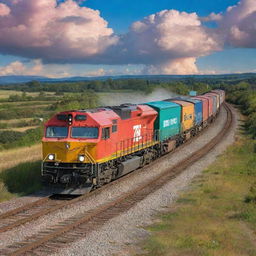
51,157
81,158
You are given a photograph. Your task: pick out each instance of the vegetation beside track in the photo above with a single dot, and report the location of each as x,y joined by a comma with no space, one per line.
217,215
22,115
20,180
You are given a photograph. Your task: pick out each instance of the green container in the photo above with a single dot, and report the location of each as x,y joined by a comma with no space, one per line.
168,122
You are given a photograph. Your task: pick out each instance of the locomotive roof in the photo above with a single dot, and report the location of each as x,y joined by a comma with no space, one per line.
105,115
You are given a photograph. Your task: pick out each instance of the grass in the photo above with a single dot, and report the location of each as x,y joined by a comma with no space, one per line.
20,180
217,215
15,121
20,129
4,94
19,172
14,157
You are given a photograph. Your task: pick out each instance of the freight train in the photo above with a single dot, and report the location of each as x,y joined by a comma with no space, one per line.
85,149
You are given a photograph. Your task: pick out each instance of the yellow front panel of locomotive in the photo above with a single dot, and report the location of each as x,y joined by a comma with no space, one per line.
68,152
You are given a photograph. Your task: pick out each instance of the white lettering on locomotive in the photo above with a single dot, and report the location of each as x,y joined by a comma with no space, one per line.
137,133
170,122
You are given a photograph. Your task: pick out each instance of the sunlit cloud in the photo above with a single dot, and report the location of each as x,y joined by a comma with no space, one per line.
168,42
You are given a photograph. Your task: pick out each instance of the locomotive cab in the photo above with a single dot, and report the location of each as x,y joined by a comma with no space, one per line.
70,146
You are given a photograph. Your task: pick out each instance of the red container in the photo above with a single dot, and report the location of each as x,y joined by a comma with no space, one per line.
210,104
217,95
221,93
205,102
215,103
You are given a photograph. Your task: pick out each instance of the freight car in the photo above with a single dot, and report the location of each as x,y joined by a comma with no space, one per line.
85,149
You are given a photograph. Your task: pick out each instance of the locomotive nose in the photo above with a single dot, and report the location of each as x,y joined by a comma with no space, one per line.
68,152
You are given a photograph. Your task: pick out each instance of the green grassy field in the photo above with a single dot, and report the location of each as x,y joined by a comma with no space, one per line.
217,215
4,94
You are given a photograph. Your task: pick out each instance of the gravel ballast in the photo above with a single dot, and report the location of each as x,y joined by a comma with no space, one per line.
114,235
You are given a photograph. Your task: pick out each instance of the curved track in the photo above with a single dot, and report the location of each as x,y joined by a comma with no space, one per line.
78,226
30,212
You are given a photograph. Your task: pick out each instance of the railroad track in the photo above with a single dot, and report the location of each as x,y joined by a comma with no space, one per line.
47,241
33,211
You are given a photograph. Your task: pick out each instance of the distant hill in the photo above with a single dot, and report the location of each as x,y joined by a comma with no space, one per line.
24,79
19,79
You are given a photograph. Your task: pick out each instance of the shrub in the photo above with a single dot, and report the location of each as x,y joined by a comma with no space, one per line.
9,136
22,179
12,139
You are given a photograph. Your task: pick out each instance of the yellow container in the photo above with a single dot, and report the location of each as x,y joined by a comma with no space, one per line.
187,114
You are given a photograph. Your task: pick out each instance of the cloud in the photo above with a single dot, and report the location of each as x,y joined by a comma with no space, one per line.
97,72
169,34
167,42
183,66
69,33
4,10
18,68
238,25
212,17
52,32
34,68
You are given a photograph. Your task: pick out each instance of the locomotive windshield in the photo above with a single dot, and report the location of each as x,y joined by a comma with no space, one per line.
56,132
85,132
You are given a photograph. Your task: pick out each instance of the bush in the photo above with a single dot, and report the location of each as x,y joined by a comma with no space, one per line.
12,139
247,103
3,125
17,113
79,101
9,136
22,179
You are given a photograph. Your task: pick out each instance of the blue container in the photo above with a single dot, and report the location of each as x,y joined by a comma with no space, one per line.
168,122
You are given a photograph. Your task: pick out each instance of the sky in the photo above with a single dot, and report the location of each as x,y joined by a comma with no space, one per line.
61,38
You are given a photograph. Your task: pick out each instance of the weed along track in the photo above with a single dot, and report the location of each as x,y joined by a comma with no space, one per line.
79,226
